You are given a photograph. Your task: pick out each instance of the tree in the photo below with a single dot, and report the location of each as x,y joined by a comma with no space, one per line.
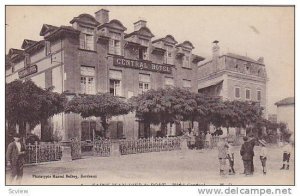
162,106
103,105
235,114
26,103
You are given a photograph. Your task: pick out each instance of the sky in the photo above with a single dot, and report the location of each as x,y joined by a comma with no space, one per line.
251,31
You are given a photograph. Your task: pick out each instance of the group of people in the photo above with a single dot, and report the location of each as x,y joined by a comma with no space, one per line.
225,154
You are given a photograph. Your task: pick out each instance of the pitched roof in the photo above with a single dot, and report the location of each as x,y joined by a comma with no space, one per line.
47,28
145,31
115,24
286,101
86,19
27,43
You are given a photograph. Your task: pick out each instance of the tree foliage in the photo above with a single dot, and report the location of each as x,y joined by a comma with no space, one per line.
175,104
27,103
103,105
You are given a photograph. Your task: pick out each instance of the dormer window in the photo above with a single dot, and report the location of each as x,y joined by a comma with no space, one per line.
26,60
87,39
186,61
143,53
236,67
47,48
169,56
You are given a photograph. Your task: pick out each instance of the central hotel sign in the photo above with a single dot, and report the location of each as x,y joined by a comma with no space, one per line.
143,65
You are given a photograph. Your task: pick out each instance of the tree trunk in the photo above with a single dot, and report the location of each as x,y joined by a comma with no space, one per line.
46,133
104,125
163,128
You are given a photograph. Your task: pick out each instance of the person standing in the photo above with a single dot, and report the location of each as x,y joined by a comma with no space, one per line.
247,156
15,157
287,149
263,155
230,156
222,153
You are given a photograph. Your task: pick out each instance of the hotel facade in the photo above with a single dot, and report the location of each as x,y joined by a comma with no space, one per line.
97,55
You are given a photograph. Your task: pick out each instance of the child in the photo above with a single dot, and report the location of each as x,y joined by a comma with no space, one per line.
230,156
222,153
263,155
287,149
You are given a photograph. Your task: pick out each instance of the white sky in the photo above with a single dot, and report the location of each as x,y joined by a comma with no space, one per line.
272,36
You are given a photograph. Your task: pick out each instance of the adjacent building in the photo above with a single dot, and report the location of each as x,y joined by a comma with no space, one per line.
97,55
286,112
233,77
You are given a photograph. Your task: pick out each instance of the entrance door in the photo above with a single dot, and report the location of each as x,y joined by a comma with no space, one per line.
87,128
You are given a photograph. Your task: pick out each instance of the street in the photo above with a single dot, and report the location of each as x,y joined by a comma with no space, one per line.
192,167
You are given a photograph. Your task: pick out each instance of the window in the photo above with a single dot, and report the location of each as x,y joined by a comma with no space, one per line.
248,94
115,82
87,80
87,38
237,92
187,84
117,47
258,95
236,67
143,54
47,48
169,57
169,82
144,83
26,60
186,61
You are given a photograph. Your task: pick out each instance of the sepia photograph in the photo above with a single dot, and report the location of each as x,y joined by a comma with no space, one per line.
149,95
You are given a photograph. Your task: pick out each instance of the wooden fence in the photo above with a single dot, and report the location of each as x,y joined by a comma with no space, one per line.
149,145
38,153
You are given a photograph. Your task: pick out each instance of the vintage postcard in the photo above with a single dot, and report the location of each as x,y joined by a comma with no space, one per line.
149,95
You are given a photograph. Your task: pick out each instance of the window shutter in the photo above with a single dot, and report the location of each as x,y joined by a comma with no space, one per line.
82,40
111,46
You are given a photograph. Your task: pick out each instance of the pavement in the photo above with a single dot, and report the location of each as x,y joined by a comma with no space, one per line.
191,167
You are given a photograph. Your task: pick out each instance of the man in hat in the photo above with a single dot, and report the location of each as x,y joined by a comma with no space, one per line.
247,155
15,157
263,155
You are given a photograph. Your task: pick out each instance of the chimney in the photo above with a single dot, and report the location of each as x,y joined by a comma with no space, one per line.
216,49
260,59
215,54
102,16
139,24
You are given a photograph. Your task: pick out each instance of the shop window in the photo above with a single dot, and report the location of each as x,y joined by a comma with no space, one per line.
115,82
87,80
144,83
